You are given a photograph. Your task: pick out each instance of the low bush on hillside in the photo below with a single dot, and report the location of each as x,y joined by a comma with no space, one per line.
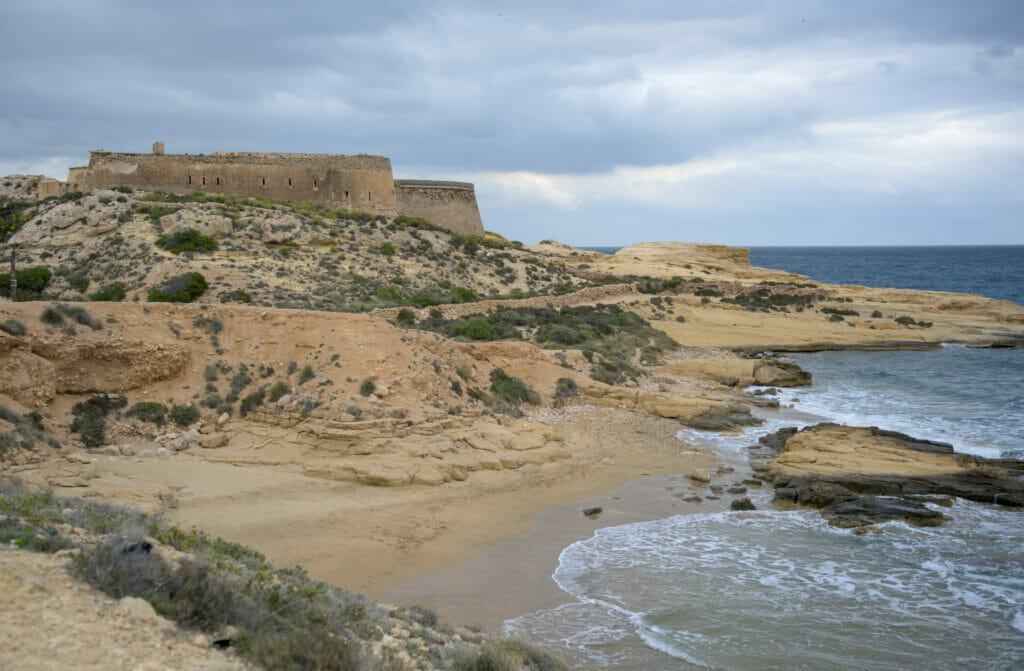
112,292
236,295
149,411
252,401
280,617
188,240
910,321
277,390
27,431
13,327
31,282
565,389
184,415
180,289
463,295
367,387
512,390
52,316
90,421
842,312
619,337
79,314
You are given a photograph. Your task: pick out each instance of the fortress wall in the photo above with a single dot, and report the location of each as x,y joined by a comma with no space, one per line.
77,178
448,204
354,182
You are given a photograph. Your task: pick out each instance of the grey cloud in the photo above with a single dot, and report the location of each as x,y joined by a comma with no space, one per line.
458,87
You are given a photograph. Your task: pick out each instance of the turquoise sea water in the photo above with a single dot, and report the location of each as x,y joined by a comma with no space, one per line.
777,589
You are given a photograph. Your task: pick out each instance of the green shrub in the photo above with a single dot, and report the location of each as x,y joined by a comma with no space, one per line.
13,327
306,374
463,295
180,289
842,312
507,655
111,292
422,299
78,280
31,282
78,314
184,415
367,387
239,381
612,371
405,317
277,390
475,329
237,295
910,321
251,402
565,389
149,411
90,417
512,390
387,249
416,222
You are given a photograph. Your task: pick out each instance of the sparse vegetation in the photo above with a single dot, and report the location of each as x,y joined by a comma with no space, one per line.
184,415
90,421
31,282
281,618
13,327
252,401
188,240
27,431
621,338
180,289
149,411
111,292
512,390
910,321
565,389
277,390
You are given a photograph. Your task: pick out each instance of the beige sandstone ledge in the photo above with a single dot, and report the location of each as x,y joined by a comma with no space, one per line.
283,500
306,491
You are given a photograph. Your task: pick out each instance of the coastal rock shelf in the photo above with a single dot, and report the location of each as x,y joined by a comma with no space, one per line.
866,475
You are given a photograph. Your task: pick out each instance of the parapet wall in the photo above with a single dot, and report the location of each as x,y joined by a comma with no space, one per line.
449,204
354,182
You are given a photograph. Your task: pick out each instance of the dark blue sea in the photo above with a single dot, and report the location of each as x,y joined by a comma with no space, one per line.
780,589
996,272
993,271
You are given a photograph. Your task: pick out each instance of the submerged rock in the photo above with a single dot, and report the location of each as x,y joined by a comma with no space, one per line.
742,504
865,510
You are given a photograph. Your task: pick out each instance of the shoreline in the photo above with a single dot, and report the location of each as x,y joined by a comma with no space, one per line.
371,539
514,577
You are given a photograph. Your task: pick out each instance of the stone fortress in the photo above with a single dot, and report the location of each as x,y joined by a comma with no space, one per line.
355,182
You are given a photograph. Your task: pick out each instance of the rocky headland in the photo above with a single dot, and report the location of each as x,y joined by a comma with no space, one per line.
860,476
374,399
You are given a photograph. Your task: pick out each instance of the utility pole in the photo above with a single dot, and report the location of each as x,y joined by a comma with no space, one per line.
14,278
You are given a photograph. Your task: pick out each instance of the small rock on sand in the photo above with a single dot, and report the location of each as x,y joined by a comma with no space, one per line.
700,475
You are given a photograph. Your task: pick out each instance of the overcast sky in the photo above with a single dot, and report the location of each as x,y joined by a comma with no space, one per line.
600,123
